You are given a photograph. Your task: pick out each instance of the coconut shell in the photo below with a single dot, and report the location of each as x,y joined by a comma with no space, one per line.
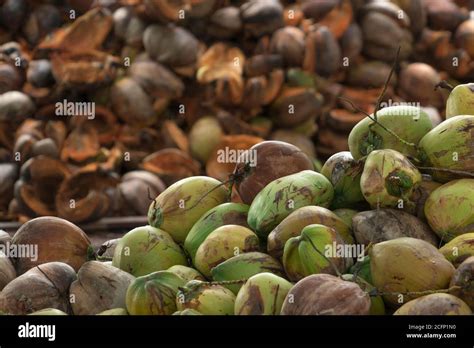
45,286
464,278
89,188
324,294
171,165
376,226
405,265
274,159
99,287
435,304
57,240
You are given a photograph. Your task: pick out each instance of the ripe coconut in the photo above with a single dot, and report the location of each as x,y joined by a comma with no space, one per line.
7,271
450,209
463,280
404,265
435,304
57,240
377,307
269,160
44,286
325,294
99,287
379,225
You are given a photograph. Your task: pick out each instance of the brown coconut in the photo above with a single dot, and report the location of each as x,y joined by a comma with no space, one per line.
7,271
435,304
463,278
274,159
385,224
325,294
57,240
99,287
44,286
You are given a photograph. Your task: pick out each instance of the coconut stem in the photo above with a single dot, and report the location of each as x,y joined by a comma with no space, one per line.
445,85
233,178
452,171
227,282
379,101
389,131
103,258
333,265
387,81
415,293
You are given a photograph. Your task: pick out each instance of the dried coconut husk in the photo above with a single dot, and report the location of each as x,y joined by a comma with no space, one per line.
223,65
40,179
86,195
83,70
342,120
171,165
81,145
86,33
104,122
174,136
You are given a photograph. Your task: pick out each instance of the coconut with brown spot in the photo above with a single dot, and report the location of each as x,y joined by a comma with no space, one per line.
325,294
222,244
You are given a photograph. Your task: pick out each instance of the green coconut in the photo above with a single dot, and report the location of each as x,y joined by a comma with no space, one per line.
450,209
449,146
408,122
